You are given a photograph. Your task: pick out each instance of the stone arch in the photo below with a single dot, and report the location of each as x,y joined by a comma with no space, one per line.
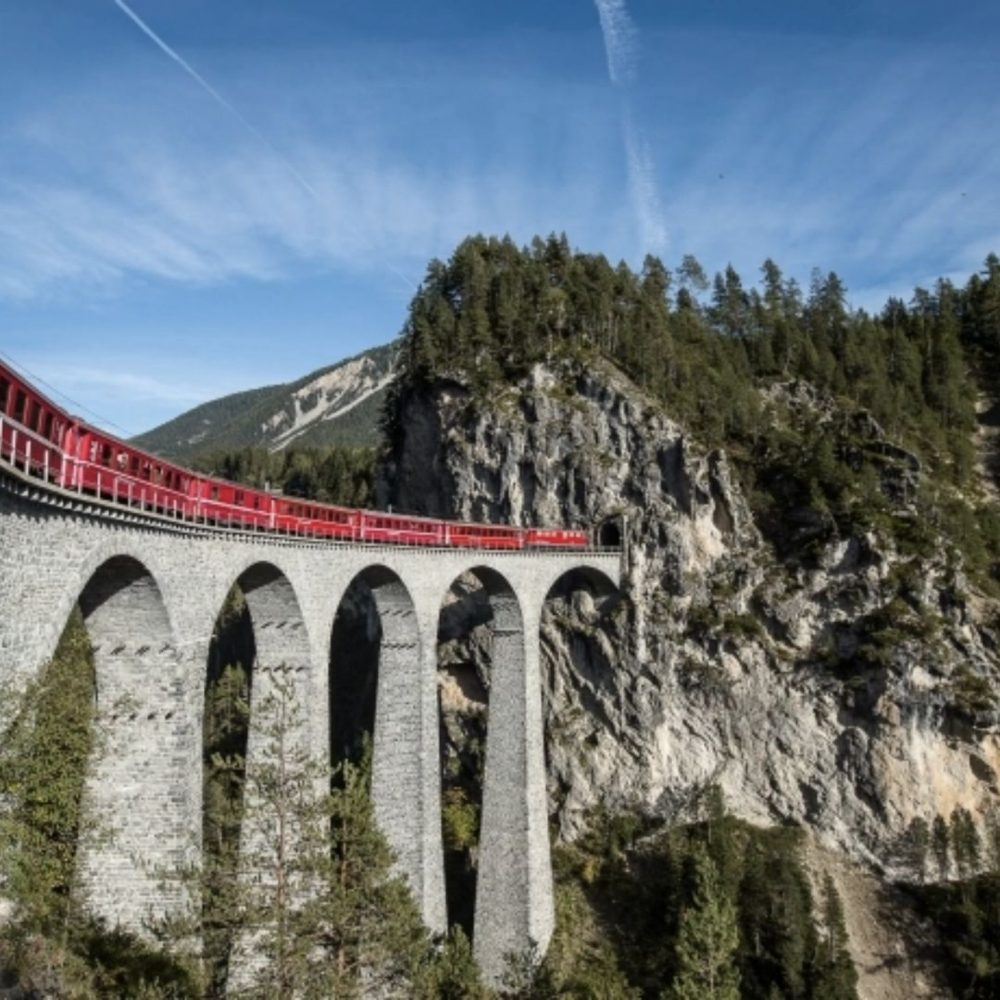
385,622
137,790
514,910
583,624
280,633
282,653
394,706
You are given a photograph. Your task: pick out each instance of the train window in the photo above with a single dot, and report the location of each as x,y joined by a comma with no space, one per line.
4,393
135,465
47,422
20,401
256,503
238,498
106,454
215,493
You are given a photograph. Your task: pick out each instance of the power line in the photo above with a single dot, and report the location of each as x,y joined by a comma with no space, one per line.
69,399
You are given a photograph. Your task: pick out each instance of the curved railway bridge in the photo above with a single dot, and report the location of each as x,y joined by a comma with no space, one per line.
150,590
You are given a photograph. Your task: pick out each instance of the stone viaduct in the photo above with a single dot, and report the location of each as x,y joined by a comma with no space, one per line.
150,590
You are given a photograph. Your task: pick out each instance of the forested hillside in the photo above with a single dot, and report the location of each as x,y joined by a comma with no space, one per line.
710,349
335,406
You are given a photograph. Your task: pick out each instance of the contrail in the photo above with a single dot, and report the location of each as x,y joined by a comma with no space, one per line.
642,186
619,40
222,102
213,93
621,43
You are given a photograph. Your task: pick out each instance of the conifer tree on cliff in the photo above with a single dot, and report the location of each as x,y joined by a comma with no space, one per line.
707,940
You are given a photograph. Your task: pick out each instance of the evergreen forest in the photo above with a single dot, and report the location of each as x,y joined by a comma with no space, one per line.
926,370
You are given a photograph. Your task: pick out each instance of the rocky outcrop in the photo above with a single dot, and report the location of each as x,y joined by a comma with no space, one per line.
851,692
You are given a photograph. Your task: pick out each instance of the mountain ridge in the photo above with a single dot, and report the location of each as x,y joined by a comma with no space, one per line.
335,405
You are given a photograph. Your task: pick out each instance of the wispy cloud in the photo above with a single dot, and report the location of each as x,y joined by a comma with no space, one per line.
642,186
621,46
620,40
206,216
211,91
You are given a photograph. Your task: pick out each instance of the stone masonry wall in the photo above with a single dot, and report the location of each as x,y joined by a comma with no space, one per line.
151,590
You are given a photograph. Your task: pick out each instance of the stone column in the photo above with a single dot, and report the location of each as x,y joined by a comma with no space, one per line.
138,813
515,913
406,782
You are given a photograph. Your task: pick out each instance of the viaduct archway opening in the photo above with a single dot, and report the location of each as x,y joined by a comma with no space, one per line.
355,651
583,620
137,771
258,656
225,728
464,661
375,687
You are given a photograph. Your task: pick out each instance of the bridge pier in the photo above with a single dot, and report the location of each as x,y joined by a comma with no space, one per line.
515,913
137,803
406,785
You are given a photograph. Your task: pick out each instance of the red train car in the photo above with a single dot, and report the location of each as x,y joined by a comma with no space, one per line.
486,536
306,516
31,428
97,463
46,442
556,538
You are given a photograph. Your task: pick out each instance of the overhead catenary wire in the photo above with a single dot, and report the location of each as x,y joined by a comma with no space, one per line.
62,395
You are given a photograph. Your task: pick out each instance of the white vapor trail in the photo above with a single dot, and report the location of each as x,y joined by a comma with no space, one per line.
212,92
621,44
642,187
619,40
219,99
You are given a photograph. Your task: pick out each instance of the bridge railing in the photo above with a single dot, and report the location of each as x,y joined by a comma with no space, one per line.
29,451
37,458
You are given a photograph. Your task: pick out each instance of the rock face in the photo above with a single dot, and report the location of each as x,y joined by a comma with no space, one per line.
852,693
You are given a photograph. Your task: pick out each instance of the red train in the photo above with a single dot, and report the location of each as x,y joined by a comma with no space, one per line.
47,443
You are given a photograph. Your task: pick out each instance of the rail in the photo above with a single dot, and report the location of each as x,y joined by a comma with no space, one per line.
33,457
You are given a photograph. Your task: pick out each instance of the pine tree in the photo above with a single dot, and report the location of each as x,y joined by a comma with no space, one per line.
834,975
707,940
312,905
941,845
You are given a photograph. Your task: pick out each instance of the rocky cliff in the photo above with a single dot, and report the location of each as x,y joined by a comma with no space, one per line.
850,691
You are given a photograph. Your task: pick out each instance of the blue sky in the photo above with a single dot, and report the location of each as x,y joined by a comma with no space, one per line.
161,244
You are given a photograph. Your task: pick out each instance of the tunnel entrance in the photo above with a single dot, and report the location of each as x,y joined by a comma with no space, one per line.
611,534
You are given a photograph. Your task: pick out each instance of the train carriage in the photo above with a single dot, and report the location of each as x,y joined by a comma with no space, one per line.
97,463
556,538
401,529
44,441
486,536
31,428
